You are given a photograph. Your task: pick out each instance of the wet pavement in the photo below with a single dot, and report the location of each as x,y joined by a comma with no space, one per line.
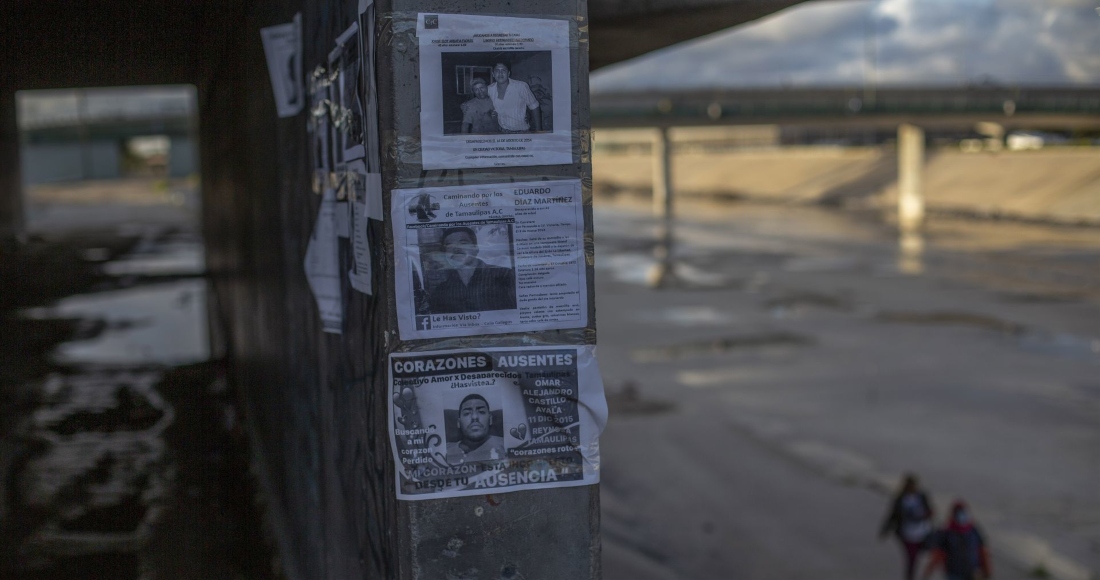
121,455
764,406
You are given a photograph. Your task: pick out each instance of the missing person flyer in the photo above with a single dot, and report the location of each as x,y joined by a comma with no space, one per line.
494,420
489,259
494,91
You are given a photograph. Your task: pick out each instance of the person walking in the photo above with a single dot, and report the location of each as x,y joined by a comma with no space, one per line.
959,548
910,520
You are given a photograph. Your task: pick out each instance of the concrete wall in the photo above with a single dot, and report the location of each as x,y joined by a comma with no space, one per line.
57,162
11,180
317,403
1056,184
313,402
183,157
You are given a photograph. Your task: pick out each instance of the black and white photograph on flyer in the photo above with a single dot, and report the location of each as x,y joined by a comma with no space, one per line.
495,91
466,268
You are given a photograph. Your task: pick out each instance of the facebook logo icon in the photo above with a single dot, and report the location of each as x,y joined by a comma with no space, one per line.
423,322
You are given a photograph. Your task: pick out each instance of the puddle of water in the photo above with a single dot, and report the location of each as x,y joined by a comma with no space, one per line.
101,476
1058,344
176,258
1043,298
948,318
807,300
689,316
628,400
637,269
725,377
104,402
721,346
155,324
1067,345
817,264
698,276
628,268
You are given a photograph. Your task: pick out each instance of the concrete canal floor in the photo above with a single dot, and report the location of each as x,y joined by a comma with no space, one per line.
763,409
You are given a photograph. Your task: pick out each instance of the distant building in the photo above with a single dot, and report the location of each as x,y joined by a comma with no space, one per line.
75,135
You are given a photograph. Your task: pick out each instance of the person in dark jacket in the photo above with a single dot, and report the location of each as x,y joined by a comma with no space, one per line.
959,548
469,284
910,520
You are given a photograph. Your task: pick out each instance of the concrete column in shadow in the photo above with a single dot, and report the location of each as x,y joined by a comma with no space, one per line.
11,182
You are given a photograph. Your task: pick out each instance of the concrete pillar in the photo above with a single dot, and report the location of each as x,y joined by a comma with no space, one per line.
11,182
549,534
663,272
994,134
910,166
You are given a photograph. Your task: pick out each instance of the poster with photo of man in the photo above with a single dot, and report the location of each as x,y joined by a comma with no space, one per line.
489,259
493,420
495,91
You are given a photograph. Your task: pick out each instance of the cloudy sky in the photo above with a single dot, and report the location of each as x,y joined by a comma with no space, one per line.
889,42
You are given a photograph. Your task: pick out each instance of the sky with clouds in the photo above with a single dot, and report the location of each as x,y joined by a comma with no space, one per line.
888,42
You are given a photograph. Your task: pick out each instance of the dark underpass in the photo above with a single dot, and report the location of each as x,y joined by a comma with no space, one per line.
122,453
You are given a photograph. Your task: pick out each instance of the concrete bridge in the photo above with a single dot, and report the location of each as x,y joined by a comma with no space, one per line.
1010,107
314,404
53,44
989,110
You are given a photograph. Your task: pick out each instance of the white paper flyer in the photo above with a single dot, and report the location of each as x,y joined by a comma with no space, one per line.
322,266
489,259
493,420
283,49
494,91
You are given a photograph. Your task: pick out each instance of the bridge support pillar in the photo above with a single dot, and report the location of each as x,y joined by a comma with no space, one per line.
910,199
910,166
663,271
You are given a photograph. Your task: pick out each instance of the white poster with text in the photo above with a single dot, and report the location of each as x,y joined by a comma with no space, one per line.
488,259
494,91
491,420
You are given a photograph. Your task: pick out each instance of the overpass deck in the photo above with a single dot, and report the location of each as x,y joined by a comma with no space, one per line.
1010,107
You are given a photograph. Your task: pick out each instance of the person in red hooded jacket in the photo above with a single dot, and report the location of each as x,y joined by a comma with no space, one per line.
959,548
